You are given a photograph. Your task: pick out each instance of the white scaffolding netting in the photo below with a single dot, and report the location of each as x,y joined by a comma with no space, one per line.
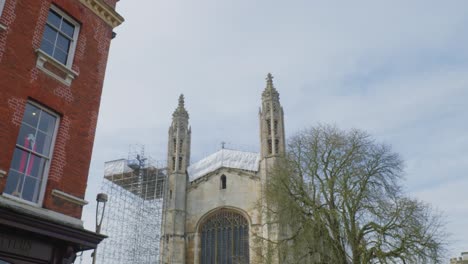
133,213
224,158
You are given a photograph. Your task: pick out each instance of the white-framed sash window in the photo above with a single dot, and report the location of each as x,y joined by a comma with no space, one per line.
30,164
60,36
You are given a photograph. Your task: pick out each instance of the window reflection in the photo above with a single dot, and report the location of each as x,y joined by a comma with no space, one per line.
32,153
58,36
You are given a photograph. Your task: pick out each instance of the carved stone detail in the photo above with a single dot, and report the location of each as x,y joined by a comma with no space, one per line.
104,11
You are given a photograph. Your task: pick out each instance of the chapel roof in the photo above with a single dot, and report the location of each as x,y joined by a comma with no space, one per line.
227,158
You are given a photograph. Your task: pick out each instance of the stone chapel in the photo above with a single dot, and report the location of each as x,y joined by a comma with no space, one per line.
210,213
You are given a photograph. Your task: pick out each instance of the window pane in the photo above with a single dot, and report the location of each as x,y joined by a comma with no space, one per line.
213,247
245,244
54,18
67,28
219,246
36,166
30,189
47,123
14,183
229,246
31,115
63,43
206,245
26,137
47,47
50,34
43,142
60,56
20,160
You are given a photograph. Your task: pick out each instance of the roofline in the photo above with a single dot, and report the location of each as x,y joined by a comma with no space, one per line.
208,174
258,153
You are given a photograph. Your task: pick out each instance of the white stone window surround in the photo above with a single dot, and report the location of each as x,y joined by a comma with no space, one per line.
45,172
43,57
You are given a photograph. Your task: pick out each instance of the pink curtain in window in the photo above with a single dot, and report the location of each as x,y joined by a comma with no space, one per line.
24,156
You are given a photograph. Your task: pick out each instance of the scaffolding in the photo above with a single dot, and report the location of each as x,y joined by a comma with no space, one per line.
132,222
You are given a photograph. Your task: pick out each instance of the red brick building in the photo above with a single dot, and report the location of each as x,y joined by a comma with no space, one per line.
53,56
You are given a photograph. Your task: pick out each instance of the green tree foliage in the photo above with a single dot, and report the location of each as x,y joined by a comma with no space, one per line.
336,197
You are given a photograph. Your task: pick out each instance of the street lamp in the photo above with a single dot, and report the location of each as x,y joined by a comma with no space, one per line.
101,200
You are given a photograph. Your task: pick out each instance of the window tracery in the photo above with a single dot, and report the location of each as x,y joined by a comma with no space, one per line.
225,239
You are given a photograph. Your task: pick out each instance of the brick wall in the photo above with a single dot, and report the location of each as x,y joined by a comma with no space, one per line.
77,105
7,18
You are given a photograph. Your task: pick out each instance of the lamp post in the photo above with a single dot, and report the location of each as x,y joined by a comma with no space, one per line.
101,200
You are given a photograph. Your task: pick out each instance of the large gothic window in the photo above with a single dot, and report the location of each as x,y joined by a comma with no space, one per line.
225,239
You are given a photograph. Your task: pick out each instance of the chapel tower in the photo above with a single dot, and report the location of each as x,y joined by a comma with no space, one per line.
173,233
272,146
271,122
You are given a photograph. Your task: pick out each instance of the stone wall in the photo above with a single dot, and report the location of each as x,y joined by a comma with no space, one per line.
206,196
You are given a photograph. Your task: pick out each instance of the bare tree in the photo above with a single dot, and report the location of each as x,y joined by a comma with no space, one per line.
337,198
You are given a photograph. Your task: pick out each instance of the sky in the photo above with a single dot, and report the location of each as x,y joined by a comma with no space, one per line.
396,69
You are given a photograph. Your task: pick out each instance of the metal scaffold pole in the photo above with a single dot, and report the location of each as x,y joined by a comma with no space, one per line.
135,189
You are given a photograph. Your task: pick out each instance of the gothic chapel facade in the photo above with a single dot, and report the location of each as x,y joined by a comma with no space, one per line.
211,213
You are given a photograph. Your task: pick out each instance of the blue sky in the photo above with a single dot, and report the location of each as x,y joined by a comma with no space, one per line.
397,69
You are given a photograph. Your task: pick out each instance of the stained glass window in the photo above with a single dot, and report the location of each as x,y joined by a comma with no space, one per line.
225,239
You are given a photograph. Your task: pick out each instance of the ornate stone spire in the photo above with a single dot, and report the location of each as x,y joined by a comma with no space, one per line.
179,139
180,110
269,80
270,91
181,101
271,121
173,240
